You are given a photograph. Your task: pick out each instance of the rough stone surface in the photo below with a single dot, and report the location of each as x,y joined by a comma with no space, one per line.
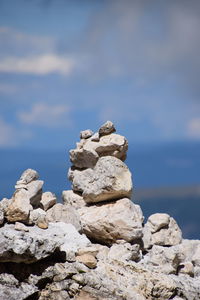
161,229
107,128
20,206
85,134
74,199
28,176
110,179
112,221
48,200
64,213
88,260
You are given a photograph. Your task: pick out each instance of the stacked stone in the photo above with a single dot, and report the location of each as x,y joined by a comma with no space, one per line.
102,187
28,205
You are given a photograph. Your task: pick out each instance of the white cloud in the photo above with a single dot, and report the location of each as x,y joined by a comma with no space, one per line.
45,115
193,128
39,65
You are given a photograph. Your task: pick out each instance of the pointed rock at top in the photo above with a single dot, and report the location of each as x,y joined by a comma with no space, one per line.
85,134
107,128
28,176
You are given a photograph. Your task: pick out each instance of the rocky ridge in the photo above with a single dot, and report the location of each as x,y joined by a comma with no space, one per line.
94,245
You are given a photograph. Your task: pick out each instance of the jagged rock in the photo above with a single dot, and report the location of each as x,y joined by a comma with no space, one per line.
28,247
95,137
83,158
88,260
74,199
28,176
110,222
34,189
161,229
48,200
110,179
107,128
4,203
85,134
35,214
64,213
19,208
42,222
88,250
186,268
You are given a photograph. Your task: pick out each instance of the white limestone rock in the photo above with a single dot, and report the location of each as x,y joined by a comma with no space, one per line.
64,213
36,244
74,199
113,221
161,229
28,176
19,208
109,179
48,200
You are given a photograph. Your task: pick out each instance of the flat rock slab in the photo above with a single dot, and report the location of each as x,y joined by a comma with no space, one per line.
110,222
109,179
36,244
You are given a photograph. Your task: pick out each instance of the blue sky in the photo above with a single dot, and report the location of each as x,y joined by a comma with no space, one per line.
66,66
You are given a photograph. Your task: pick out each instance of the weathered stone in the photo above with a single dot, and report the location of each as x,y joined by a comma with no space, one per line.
88,250
161,229
110,179
28,176
21,227
1,216
28,247
88,260
4,203
64,213
74,199
186,268
107,128
125,251
34,189
110,222
48,200
42,222
95,137
20,206
158,221
35,214
85,134
83,158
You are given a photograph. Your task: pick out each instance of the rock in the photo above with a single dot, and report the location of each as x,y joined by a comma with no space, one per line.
28,176
1,216
42,222
4,203
88,250
186,268
83,158
74,199
28,247
20,206
158,221
21,227
35,214
95,137
161,229
125,251
34,189
48,200
85,134
64,213
107,128
110,222
110,179
88,260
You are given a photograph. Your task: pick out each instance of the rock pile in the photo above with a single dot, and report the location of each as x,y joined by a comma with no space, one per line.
94,246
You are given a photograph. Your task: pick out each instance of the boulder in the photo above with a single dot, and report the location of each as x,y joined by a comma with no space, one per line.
109,179
28,176
19,208
85,134
34,189
161,229
64,213
113,221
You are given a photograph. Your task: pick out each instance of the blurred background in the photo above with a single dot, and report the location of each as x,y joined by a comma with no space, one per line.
70,65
